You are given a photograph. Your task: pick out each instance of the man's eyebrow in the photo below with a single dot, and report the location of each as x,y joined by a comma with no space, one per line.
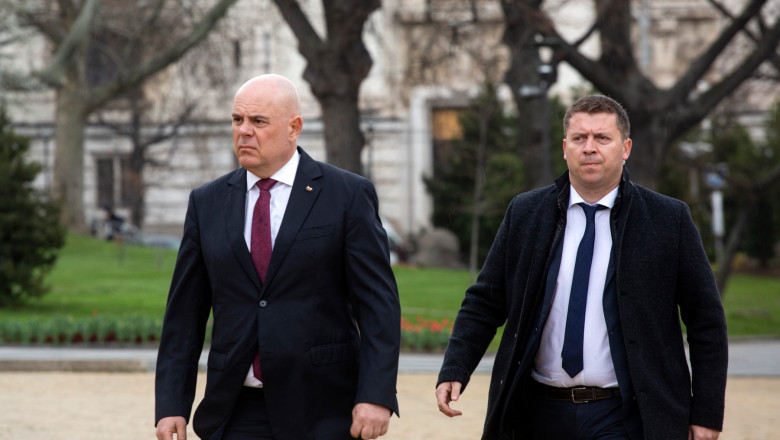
594,133
255,116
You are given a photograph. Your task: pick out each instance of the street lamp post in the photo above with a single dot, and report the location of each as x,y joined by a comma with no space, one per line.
547,74
715,178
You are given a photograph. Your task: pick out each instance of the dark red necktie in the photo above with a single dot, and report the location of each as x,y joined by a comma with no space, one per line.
261,242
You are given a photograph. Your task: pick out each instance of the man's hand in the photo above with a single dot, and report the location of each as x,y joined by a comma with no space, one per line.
448,392
369,421
168,426
702,433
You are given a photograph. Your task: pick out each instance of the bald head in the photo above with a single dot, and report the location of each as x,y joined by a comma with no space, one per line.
276,88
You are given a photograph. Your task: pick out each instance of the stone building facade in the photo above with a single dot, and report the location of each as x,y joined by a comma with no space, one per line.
424,66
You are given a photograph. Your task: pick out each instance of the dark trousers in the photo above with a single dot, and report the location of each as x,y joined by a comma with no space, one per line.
559,420
249,420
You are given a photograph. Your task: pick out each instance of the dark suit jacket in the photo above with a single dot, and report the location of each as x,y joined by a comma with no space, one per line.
661,274
326,320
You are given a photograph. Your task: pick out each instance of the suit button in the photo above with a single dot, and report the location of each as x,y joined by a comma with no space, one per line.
263,303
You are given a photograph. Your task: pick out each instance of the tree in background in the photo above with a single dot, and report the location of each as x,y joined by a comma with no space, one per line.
751,173
529,79
336,65
486,153
102,49
763,234
753,178
659,115
143,134
30,231
505,173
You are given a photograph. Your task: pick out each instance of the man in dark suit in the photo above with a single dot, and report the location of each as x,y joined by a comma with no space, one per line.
290,257
591,276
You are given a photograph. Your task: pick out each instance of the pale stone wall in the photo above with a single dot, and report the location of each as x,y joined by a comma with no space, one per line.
416,68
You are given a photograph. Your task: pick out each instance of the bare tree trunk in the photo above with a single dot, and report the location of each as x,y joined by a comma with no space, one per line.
68,186
343,137
735,239
644,163
135,188
335,68
529,91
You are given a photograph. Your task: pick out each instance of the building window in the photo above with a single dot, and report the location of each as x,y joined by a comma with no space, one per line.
446,124
105,182
445,131
113,174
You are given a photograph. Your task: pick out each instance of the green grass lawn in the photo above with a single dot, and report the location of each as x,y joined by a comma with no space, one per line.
94,277
97,278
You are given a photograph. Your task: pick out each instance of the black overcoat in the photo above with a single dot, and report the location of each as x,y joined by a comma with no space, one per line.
662,275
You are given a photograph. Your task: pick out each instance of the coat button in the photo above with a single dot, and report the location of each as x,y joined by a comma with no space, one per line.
263,303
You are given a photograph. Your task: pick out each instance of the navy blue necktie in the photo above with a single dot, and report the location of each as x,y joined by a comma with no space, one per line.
575,319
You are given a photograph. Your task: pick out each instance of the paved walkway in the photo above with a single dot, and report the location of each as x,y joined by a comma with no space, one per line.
747,358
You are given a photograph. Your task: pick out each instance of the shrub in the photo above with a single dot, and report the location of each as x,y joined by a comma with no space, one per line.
30,230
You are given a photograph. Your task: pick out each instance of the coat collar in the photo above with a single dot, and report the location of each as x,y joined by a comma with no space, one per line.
562,189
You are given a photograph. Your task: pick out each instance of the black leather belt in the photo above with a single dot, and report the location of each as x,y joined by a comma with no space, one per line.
574,394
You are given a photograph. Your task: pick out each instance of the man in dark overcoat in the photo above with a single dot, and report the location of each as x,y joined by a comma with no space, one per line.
612,363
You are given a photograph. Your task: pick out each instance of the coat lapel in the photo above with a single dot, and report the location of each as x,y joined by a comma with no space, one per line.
305,190
235,206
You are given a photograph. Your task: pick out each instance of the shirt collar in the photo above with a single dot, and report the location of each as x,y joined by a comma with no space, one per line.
286,174
608,200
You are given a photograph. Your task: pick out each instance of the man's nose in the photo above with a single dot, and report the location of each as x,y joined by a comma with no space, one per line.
244,129
590,145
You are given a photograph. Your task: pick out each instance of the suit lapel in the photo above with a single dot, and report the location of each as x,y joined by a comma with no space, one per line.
235,206
305,191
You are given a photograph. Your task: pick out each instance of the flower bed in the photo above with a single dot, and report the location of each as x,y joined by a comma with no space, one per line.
419,334
425,335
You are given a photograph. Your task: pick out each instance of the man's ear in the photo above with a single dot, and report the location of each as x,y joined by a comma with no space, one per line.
626,148
295,127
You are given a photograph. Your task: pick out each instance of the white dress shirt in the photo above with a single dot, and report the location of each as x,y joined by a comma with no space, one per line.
280,195
598,369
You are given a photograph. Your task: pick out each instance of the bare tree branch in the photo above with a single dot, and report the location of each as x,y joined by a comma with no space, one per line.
54,74
138,36
708,100
308,39
130,79
775,58
687,82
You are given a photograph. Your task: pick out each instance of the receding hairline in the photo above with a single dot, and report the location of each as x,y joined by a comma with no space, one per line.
282,87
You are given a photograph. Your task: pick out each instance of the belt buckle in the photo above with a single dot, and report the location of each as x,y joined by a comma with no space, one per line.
585,400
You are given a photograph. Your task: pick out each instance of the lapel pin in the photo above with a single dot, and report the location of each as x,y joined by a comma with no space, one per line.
308,188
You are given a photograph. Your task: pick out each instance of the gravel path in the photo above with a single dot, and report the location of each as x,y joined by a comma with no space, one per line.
119,406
